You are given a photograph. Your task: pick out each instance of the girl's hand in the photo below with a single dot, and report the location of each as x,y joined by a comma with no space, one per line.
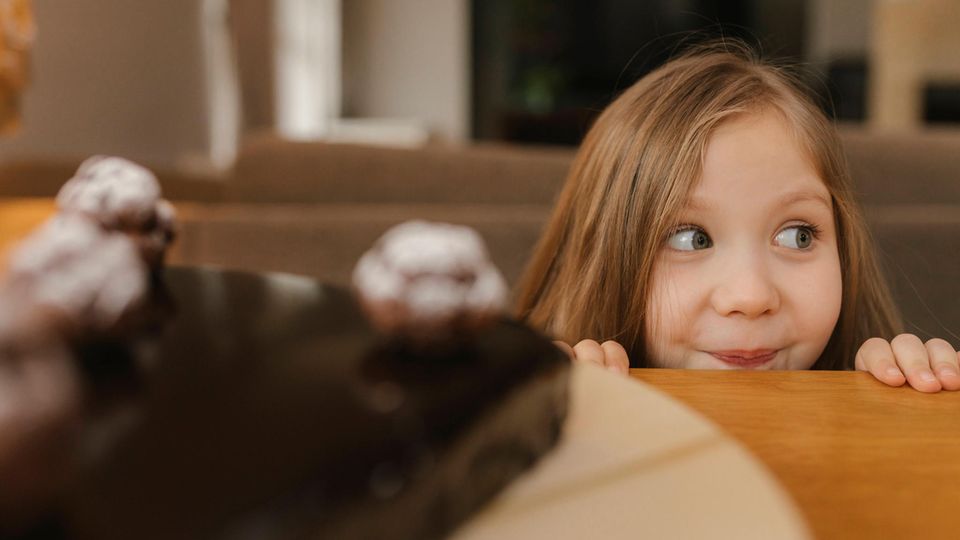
609,354
928,367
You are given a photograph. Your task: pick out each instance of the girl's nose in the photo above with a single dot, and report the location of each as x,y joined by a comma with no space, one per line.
746,288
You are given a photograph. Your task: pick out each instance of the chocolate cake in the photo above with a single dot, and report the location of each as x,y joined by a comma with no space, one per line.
199,403
273,409
39,399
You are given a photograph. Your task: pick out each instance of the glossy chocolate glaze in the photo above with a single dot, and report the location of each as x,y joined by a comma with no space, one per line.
265,406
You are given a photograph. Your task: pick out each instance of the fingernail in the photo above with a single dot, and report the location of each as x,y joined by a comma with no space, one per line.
894,372
927,376
948,371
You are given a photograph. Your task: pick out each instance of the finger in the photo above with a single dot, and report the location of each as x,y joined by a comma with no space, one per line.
615,357
914,362
566,348
943,362
876,356
589,351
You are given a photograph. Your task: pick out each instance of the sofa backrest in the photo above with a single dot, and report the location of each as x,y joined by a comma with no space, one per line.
919,249
888,168
271,170
40,178
904,167
896,168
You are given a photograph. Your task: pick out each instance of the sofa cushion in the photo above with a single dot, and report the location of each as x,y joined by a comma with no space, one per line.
325,241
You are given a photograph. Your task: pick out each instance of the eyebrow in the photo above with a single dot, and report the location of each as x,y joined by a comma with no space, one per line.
787,199
803,196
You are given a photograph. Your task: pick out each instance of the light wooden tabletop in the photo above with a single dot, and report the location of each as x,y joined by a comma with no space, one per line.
636,463
862,460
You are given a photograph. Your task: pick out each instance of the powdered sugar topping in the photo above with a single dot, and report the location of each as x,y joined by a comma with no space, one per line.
73,265
112,189
436,270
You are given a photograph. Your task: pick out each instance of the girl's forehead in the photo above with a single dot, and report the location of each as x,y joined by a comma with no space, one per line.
757,138
774,199
756,155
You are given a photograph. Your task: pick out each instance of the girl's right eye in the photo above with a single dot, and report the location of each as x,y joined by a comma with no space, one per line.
690,239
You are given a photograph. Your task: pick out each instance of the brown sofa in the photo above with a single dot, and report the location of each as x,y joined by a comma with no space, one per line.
313,208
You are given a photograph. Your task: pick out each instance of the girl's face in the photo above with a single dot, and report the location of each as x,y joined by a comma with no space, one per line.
750,279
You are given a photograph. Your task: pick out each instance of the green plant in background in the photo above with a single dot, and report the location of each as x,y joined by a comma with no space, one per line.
540,87
539,78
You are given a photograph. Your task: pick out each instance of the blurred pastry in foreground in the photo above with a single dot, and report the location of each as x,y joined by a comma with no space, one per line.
122,196
429,281
39,411
82,276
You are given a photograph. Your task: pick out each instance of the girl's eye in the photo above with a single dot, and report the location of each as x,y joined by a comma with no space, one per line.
690,239
798,237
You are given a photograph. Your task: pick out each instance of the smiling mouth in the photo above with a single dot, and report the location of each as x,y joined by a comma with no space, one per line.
745,359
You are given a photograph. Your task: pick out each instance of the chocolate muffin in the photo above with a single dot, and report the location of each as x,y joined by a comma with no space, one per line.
39,413
122,196
87,278
428,282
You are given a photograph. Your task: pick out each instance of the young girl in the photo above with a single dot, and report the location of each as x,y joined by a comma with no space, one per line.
709,222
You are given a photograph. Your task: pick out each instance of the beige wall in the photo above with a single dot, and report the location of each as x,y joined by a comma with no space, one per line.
115,76
408,59
913,43
253,35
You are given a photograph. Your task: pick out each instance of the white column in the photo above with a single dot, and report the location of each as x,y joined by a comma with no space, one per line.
308,63
221,85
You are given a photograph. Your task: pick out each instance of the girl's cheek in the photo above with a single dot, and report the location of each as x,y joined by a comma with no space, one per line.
678,290
667,313
832,298
653,319
817,293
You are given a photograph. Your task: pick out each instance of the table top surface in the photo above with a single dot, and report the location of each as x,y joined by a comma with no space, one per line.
636,463
862,460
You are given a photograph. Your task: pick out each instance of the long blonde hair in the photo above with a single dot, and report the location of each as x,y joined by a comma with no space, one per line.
590,273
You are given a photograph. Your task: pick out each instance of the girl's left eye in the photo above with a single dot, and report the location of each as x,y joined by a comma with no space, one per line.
797,237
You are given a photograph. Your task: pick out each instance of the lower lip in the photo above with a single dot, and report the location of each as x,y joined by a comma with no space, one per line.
741,362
